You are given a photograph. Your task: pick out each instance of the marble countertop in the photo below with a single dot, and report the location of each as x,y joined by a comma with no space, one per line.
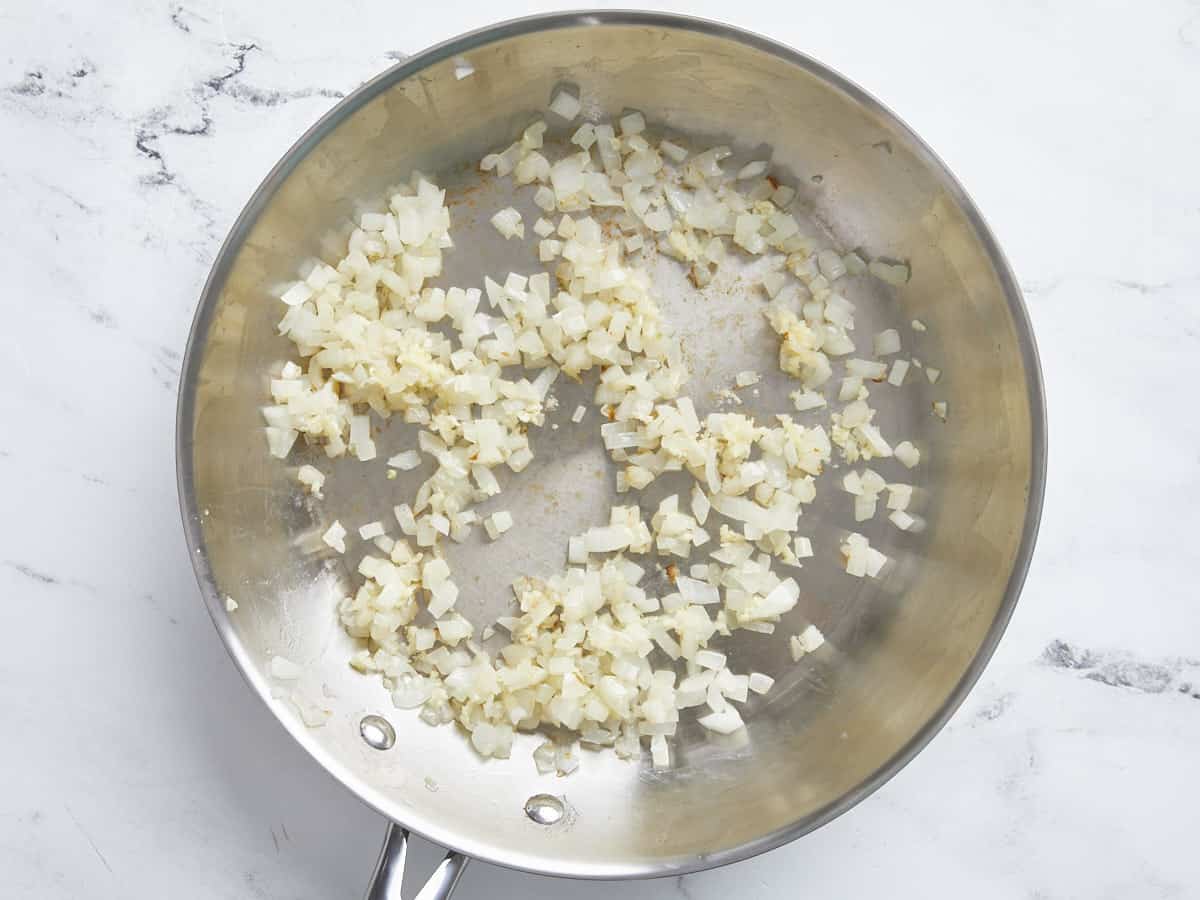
136,763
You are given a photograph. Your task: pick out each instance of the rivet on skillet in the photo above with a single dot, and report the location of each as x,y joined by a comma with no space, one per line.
377,732
544,809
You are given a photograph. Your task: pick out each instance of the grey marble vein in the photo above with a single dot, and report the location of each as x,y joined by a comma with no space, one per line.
90,840
1117,669
31,573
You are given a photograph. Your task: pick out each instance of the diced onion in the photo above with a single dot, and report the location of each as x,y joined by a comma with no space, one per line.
698,592
831,264
760,683
752,170
312,478
298,293
725,722
907,454
498,523
806,642
565,104
335,537
899,496
887,342
508,223
633,123
407,460
672,150
806,400
895,275
659,754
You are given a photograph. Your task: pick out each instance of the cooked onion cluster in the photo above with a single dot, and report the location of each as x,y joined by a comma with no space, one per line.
591,655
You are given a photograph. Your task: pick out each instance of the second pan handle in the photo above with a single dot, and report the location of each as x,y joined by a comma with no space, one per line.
389,871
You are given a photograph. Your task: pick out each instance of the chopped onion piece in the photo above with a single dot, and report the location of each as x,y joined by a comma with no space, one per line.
406,461
899,370
508,223
699,592
752,170
854,263
773,283
312,478
887,342
335,536
371,531
544,199
607,539
544,758
410,692
672,150
633,123
806,642
760,683
296,294
831,265
404,516
907,454
700,504
866,368
726,721
660,756
852,483
899,496
783,195
576,549
584,136
565,104
360,438
894,275
806,400
498,523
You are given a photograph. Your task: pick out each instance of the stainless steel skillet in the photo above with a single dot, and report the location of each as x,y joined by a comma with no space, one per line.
902,652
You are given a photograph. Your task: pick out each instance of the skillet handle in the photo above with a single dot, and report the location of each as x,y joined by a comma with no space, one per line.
389,871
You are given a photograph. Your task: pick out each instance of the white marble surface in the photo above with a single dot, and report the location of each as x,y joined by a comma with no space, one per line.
133,761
